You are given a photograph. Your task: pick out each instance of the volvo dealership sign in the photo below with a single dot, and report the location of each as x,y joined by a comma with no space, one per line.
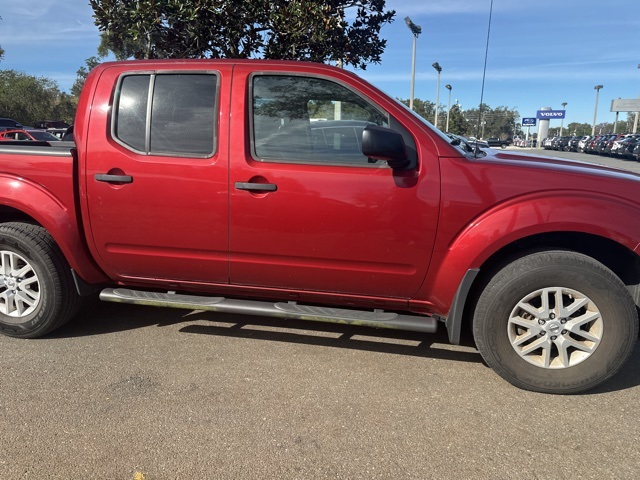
550,114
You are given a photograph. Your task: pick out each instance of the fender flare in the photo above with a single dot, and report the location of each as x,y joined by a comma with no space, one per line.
447,288
54,216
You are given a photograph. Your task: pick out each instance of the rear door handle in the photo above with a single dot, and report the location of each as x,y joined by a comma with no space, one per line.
105,177
256,187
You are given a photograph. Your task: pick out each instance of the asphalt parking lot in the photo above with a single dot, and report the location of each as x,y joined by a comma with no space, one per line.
585,157
127,392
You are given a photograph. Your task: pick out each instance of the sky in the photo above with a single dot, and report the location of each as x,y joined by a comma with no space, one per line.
542,53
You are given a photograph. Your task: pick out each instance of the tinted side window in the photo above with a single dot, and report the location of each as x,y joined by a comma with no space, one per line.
130,124
182,114
310,120
180,120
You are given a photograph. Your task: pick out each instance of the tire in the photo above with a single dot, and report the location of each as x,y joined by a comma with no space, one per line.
552,349
37,293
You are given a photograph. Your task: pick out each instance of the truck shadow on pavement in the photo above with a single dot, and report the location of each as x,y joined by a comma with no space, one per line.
104,318
435,346
336,336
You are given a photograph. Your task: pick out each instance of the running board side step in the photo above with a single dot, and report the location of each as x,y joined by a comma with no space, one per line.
291,310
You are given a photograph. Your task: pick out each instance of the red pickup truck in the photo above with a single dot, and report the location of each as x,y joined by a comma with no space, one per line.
300,191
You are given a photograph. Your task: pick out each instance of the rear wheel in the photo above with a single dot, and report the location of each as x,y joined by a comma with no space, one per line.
555,322
37,293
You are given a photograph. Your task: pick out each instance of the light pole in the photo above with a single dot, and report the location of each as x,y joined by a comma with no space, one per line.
415,30
438,68
635,122
595,111
448,87
564,104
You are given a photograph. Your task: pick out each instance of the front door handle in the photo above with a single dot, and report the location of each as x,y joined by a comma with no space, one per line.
105,177
256,187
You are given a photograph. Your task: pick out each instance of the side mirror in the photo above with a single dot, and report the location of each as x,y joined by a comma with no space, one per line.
385,144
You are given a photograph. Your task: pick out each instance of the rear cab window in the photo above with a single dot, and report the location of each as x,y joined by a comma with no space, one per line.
167,114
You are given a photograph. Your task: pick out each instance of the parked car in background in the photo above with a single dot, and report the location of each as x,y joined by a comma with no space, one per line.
608,146
593,144
68,135
618,145
582,144
9,124
341,137
28,135
524,143
58,132
621,146
496,142
51,124
474,142
573,143
614,145
467,144
635,154
601,144
630,146
562,143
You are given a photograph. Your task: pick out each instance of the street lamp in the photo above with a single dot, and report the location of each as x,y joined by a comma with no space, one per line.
564,104
635,122
595,111
415,30
438,68
448,87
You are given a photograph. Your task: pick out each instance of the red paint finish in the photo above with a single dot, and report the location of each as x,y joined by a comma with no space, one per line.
489,203
350,235
171,221
357,230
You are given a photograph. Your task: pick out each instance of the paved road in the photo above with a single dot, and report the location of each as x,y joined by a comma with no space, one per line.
130,392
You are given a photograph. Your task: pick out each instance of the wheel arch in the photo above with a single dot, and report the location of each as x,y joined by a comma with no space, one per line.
592,223
624,263
31,204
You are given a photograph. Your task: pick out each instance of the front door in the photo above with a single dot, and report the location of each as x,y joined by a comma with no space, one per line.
308,211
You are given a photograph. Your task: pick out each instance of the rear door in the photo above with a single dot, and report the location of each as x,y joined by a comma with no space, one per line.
156,180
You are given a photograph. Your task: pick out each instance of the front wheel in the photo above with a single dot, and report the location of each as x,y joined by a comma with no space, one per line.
37,293
555,322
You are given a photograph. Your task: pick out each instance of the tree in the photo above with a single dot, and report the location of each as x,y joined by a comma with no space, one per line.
424,108
496,122
457,123
29,99
279,29
575,128
82,73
